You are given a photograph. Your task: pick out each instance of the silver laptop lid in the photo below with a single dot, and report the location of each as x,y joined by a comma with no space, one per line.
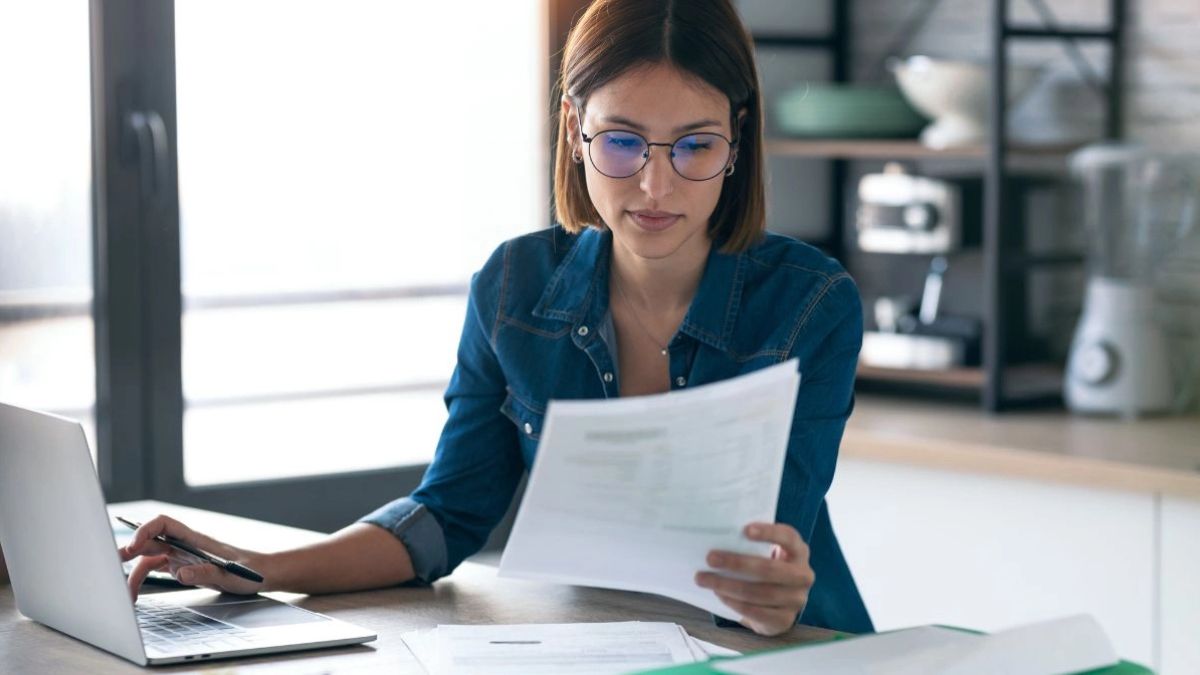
54,529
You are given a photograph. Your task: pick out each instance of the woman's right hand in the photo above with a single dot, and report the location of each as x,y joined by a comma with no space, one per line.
188,569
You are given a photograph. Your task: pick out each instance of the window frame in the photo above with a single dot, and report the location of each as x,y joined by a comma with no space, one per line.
138,306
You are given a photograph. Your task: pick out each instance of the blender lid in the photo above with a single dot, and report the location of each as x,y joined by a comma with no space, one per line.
1111,154
1100,155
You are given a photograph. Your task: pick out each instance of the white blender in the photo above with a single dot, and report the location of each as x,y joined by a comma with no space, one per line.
1137,205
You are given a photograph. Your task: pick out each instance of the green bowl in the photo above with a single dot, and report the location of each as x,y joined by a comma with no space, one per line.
846,111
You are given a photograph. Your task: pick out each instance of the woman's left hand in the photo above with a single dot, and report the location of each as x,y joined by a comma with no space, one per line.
778,587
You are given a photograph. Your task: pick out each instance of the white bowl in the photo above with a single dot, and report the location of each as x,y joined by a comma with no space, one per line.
955,95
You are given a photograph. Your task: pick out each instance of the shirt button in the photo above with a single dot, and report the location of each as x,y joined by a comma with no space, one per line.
583,330
608,377
680,381
528,428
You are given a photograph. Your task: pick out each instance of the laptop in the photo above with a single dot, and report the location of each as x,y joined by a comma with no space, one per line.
66,573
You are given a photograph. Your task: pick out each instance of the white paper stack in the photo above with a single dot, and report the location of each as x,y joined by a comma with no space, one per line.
1071,645
569,649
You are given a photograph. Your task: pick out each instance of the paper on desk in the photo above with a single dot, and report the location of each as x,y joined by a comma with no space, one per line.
710,650
423,645
571,649
1071,645
633,493
871,653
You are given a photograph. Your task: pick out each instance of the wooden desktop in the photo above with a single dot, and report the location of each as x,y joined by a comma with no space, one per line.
472,594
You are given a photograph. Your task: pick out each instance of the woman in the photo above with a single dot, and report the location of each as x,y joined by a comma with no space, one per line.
659,277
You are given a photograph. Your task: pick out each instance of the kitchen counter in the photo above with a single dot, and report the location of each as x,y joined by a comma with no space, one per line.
1160,455
950,515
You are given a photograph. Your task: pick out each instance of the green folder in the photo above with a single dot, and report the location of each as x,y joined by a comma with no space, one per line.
710,667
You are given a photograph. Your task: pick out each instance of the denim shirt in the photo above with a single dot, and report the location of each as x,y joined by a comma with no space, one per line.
534,331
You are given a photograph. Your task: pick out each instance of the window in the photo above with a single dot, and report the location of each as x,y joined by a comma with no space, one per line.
46,330
343,169
236,237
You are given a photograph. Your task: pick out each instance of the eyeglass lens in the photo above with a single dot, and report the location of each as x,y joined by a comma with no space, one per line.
620,154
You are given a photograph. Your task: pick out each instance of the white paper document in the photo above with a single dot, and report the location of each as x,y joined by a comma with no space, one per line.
710,650
1071,645
633,493
569,649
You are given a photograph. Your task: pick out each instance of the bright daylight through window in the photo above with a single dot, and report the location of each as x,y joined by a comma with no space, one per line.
46,334
343,169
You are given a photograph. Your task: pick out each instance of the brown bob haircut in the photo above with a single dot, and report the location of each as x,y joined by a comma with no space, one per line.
704,38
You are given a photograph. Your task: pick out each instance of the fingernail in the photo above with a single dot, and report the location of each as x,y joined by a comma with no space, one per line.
185,576
753,531
716,559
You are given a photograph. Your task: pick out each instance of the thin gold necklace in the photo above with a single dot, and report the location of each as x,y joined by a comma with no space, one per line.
638,319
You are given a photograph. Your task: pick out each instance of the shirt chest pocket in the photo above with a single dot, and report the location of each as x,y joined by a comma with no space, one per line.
528,418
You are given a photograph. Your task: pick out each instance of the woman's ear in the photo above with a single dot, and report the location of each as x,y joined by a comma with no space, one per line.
737,134
569,114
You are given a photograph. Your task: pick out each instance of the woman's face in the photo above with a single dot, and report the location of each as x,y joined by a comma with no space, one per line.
656,212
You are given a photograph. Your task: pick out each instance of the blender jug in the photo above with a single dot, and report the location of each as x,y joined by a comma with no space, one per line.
1177,276
1137,205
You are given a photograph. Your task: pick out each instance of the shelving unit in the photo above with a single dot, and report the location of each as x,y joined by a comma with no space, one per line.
871,149
834,148
951,378
999,383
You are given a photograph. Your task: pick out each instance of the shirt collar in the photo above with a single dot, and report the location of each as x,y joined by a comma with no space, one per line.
714,311
578,290
573,286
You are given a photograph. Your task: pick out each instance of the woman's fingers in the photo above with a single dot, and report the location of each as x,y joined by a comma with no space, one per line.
142,568
210,576
149,548
187,568
761,620
769,593
776,571
757,593
781,534
143,541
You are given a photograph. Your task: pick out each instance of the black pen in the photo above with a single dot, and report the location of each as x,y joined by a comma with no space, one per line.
227,565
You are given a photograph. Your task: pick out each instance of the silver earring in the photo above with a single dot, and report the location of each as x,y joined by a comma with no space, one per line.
729,171
577,158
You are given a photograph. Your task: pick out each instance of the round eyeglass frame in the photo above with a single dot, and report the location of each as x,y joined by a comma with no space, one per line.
725,169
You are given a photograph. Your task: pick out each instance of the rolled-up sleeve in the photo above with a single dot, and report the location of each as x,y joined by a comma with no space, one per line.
478,464
411,523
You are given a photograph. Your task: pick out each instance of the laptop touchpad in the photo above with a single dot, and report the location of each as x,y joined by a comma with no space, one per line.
256,613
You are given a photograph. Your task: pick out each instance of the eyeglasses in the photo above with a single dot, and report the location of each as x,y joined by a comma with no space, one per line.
620,154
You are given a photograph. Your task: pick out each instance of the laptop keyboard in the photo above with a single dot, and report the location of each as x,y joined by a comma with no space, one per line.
168,628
